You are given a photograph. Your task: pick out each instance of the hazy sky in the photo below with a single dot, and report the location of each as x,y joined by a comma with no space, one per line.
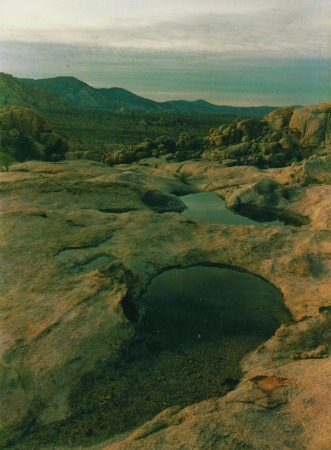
225,51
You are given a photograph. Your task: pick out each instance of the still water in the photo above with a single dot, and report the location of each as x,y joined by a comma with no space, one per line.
196,325
208,207
192,306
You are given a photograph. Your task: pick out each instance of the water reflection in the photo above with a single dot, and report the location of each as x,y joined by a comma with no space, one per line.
198,324
186,307
208,207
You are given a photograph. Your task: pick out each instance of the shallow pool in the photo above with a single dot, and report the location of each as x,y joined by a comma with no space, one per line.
196,325
200,304
210,208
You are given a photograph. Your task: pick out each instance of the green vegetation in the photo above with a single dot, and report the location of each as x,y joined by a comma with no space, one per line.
100,130
6,159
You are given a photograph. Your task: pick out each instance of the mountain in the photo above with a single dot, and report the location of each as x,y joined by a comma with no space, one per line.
79,94
203,107
14,91
69,92
76,93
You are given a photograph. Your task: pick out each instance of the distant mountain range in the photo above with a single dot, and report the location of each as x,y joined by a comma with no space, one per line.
16,93
62,93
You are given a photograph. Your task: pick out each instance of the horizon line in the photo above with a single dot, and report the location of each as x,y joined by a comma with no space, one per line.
150,96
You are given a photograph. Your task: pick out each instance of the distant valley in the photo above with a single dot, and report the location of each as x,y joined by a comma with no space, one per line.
62,93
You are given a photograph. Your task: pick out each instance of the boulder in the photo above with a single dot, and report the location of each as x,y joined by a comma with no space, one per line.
251,128
26,135
317,170
237,150
282,137
25,120
279,119
311,126
266,193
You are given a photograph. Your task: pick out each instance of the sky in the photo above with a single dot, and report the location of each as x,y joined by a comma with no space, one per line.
238,52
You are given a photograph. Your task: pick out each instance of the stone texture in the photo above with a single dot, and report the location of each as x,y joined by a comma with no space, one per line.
72,235
282,137
264,193
279,119
26,135
312,126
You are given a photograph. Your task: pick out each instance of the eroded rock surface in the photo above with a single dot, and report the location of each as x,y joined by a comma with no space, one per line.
25,135
282,137
79,243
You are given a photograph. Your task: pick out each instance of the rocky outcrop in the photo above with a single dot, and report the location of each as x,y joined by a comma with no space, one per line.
279,119
275,406
186,147
80,242
266,193
25,135
311,126
282,137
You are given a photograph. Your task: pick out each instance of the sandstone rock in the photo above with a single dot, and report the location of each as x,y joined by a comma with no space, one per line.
88,154
317,170
285,135
26,135
311,126
25,120
275,407
236,150
80,241
251,128
264,193
279,119
286,142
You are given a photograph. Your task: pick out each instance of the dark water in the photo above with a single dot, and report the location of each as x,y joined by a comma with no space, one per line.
208,207
187,307
197,324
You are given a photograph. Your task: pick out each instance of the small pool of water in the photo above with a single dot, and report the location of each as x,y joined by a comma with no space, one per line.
196,325
192,306
210,208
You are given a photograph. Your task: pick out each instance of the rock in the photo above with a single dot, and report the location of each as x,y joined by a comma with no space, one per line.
81,241
251,128
283,399
236,150
286,142
229,162
111,158
24,120
266,193
311,126
88,154
26,135
317,170
126,157
283,136
279,119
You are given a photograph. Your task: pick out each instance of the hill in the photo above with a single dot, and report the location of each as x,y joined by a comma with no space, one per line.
76,93
14,91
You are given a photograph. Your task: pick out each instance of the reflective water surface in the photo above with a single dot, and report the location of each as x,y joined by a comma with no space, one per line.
210,208
196,325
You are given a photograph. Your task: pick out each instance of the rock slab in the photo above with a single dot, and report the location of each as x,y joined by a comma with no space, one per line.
72,235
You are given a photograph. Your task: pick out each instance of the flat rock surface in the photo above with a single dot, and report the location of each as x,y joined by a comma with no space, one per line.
78,239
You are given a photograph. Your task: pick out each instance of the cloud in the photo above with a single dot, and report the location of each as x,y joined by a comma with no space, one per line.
255,27
165,75
222,50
